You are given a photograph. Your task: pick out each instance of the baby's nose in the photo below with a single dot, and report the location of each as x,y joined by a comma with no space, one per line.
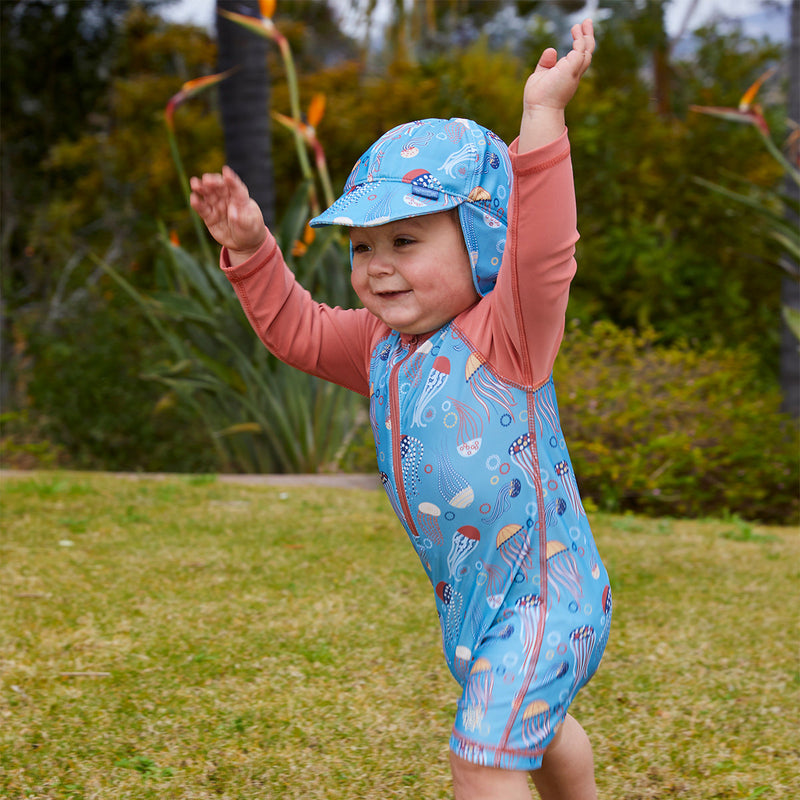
380,264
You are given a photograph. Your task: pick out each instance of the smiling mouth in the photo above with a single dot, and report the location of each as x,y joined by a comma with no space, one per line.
396,293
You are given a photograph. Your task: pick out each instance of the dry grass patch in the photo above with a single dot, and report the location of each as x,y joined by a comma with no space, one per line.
184,638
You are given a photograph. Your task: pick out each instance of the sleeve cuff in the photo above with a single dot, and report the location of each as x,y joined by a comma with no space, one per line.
261,255
541,158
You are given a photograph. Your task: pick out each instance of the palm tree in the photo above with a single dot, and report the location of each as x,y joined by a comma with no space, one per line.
244,104
790,287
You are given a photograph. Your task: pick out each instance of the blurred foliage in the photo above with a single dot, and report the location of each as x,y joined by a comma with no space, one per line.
667,431
658,251
261,415
24,445
90,399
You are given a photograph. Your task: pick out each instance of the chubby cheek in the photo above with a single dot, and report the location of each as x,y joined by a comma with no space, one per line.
358,282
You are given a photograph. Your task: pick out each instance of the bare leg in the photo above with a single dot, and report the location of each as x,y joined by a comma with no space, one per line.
567,771
474,782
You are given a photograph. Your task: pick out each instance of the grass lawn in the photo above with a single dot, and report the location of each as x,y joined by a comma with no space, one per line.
185,638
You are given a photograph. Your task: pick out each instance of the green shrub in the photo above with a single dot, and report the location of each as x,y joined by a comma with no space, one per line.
88,398
22,445
669,431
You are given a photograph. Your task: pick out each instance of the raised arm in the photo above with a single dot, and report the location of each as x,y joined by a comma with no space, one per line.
551,86
232,217
528,305
330,343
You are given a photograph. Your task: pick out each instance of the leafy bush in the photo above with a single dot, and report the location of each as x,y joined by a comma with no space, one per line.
671,431
22,446
260,414
87,397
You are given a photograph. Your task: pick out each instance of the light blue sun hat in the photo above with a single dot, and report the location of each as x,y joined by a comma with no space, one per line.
432,165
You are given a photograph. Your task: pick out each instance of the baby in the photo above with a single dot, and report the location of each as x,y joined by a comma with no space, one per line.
462,255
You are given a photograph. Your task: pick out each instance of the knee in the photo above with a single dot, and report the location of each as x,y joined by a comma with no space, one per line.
464,775
476,782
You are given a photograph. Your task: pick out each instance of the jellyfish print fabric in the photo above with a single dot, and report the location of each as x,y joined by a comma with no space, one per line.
477,471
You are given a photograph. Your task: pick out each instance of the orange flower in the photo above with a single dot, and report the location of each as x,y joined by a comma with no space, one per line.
316,110
750,94
747,110
173,238
190,89
263,26
307,130
301,247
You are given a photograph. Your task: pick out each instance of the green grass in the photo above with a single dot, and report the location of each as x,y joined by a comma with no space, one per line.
184,638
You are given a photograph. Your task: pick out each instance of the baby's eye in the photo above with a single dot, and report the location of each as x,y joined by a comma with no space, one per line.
360,248
402,241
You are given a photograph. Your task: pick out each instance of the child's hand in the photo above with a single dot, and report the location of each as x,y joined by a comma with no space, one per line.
232,217
551,86
554,81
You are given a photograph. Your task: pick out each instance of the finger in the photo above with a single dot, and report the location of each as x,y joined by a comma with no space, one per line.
235,185
547,60
587,27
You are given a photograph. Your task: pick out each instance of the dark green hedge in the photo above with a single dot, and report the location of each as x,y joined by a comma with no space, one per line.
669,431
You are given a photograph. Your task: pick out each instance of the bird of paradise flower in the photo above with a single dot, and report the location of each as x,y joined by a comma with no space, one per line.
781,229
265,27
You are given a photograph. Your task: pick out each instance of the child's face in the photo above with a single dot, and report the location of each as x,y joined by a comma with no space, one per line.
413,274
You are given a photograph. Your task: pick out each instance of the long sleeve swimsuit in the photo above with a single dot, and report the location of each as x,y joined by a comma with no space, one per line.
472,457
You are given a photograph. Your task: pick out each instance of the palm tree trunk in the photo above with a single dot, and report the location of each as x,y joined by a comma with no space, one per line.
790,287
244,104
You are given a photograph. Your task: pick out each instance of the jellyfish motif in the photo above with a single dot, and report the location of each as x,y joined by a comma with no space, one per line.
428,522
470,429
514,547
437,378
411,452
465,540
411,366
478,693
415,143
461,162
455,130
423,184
452,485
476,621
381,351
379,212
387,485
495,584
554,673
504,633
581,641
562,571
553,509
536,725
544,411
451,614
529,609
373,412
503,502
601,645
461,659
568,480
522,454
486,388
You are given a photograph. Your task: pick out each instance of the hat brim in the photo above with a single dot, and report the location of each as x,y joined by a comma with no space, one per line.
378,202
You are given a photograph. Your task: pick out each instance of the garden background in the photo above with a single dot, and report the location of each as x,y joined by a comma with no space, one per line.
154,632
122,350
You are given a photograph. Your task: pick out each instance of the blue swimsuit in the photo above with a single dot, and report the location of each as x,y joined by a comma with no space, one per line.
478,472
473,459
